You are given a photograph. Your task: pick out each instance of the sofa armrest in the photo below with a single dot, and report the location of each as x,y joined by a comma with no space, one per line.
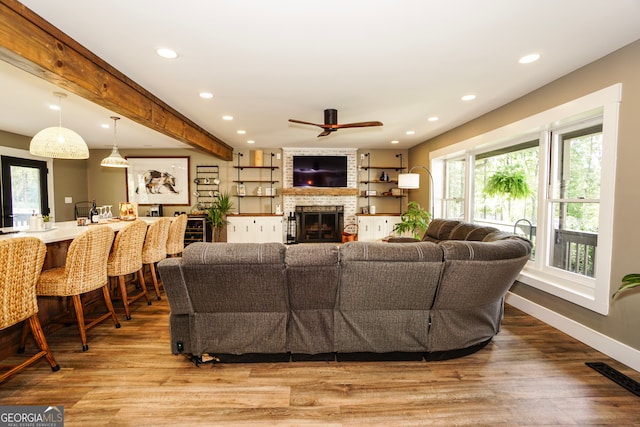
175,286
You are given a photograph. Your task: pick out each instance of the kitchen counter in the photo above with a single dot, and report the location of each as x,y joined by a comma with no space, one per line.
67,230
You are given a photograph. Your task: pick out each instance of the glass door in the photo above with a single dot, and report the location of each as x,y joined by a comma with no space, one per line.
24,190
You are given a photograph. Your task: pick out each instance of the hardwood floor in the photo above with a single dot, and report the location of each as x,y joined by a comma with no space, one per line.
530,375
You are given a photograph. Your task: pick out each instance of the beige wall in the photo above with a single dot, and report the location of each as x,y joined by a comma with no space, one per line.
622,66
107,185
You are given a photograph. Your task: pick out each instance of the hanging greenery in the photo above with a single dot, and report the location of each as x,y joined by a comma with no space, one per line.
509,182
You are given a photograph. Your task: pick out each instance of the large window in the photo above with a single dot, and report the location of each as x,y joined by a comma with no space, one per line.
553,185
454,198
506,188
574,198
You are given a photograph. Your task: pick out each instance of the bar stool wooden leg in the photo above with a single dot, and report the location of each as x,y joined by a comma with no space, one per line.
144,288
77,305
154,276
23,337
109,304
123,295
38,336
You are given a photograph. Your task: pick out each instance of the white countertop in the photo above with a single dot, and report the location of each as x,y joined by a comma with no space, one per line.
66,230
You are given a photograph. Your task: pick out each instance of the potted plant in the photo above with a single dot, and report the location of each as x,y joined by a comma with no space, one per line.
415,220
217,214
629,281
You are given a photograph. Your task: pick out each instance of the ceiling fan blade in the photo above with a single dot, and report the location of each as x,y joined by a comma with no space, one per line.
326,132
358,125
305,123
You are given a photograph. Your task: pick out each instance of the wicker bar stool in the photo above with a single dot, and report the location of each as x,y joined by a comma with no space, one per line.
155,248
126,258
85,270
21,260
175,241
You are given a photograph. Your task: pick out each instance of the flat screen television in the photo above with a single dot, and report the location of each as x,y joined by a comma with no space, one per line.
319,171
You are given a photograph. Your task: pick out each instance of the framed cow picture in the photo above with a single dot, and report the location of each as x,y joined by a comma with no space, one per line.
158,180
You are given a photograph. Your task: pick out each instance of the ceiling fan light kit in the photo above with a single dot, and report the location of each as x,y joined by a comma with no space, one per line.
331,123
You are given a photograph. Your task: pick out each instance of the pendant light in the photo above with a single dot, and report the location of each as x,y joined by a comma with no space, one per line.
58,142
115,160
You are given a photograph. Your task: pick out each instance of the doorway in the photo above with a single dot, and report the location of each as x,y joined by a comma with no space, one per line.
24,190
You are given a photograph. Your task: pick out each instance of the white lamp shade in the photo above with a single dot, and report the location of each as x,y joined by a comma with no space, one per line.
59,143
408,180
115,160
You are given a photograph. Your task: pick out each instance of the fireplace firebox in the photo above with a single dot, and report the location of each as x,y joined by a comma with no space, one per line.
319,223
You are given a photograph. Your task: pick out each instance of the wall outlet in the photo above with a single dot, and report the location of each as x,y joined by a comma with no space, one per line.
68,200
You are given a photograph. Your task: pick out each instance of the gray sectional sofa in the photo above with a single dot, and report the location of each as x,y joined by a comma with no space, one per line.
434,299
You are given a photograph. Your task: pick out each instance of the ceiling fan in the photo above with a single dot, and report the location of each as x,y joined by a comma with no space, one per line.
331,123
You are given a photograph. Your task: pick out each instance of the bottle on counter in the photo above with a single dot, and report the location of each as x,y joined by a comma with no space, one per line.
33,222
94,216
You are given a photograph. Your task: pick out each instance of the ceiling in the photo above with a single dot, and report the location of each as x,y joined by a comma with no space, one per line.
265,62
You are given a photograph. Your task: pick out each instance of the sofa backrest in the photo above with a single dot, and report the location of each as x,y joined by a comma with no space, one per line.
386,291
235,277
389,275
313,277
447,229
439,229
475,279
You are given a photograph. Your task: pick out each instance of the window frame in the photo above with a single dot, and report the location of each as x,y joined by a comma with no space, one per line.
591,293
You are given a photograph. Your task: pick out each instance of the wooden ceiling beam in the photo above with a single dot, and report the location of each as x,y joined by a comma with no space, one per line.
34,45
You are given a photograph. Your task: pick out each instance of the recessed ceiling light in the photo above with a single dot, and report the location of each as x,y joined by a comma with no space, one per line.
468,97
206,95
54,107
395,141
227,118
250,141
105,126
167,53
411,132
527,59
241,132
433,119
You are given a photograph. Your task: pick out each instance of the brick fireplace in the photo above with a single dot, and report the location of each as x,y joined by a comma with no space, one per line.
346,198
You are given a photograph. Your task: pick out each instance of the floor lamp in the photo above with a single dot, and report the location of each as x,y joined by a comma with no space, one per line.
411,180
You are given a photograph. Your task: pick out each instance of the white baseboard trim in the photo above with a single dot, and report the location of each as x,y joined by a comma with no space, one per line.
604,344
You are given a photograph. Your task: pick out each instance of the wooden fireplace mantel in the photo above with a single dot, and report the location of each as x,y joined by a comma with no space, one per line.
308,191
